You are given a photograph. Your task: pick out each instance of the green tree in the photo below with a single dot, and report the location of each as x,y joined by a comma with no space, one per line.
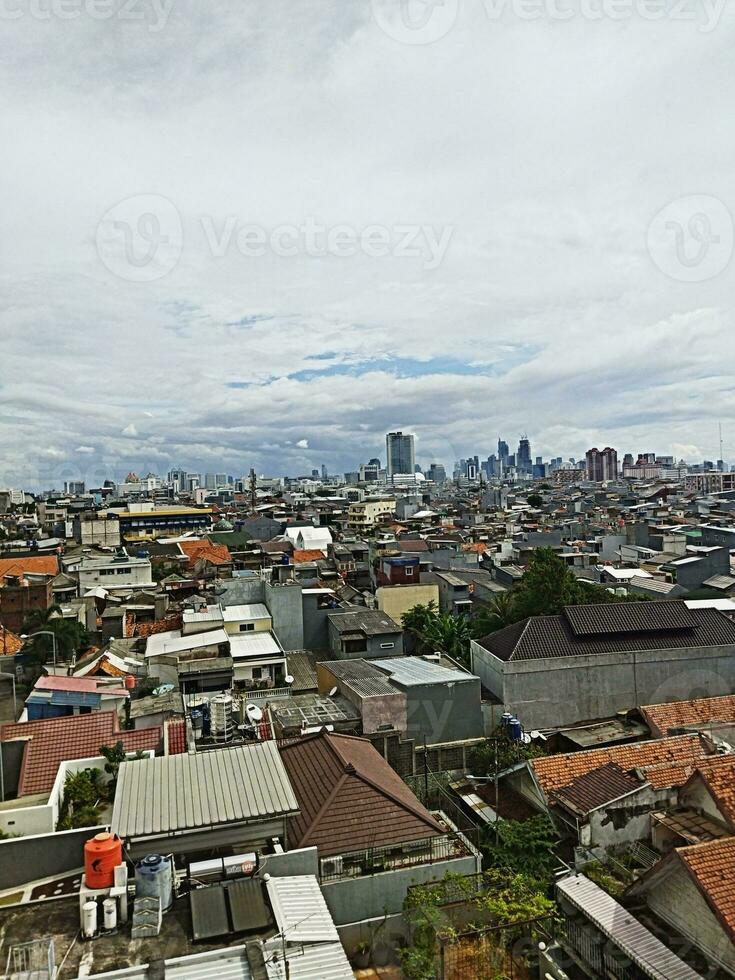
546,587
535,500
441,632
524,847
71,636
114,754
499,613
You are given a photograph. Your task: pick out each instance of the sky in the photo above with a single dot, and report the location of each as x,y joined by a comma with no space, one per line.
266,233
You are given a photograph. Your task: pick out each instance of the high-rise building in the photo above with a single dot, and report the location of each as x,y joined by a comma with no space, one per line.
210,481
602,464
400,453
503,453
437,473
523,456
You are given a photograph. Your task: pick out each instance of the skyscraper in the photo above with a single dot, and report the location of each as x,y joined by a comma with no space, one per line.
503,452
400,453
523,456
602,465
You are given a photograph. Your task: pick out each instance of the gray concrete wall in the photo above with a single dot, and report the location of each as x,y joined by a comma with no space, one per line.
243,589
375,649
24,859
678,901
373,896
445,712
316,634
285,606
566,690
304,861
489,669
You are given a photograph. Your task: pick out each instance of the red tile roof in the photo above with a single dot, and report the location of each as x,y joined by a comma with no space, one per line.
10,644
349,797
215,554
663,762
301,557
719,778
29,564
660,718
712,867
176,736
171,622
52,741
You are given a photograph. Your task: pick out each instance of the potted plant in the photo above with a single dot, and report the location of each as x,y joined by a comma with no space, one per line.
381,950
361,955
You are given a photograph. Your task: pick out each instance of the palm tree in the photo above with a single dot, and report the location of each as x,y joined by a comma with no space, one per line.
499,613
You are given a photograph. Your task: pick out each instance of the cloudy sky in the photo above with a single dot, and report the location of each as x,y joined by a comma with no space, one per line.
263,234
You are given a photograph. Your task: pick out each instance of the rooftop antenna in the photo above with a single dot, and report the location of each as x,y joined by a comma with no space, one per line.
721,455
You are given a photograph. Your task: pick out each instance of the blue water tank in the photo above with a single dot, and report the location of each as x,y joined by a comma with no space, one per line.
154,879
515,729
505,719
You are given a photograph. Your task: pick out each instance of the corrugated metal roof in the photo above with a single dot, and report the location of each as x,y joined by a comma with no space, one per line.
255,644
416,670
246,611
179,792
218,964
301,913
619,925
322,961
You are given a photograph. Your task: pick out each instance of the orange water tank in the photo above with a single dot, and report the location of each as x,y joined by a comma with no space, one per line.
102,854
130,682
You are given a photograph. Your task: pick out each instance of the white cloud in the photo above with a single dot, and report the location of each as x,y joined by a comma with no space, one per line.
547,147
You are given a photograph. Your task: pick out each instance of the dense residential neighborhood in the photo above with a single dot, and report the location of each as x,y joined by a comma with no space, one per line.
380,723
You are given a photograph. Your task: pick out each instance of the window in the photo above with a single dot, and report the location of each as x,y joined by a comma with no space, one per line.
387,646
247,627
257,673
409,572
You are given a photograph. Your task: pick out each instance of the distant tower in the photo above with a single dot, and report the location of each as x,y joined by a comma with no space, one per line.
400,453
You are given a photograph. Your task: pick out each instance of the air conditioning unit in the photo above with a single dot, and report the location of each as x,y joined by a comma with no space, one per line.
332,867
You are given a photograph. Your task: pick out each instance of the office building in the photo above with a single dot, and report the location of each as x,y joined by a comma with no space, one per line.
400,453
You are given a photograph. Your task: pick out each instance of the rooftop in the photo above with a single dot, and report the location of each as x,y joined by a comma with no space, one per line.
368,621
169,794
610,628
349,796
52,741
415,671
698,713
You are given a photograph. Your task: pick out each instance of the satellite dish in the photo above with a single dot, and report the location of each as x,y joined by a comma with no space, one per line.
254,713
526,738
333,692
288,679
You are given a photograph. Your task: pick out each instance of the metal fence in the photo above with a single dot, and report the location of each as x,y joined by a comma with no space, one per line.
374,860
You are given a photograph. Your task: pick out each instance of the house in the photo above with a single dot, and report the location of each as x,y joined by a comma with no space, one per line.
207,560
605,797
365,632
22,594
373,837
593,661
454,593
605,939
692,890
396,600
119,571
194,663
57,697
208,803
714,716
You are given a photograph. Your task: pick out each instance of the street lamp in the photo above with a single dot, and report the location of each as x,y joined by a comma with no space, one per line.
26,636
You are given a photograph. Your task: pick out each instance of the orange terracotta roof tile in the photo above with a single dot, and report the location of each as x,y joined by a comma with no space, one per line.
215,554
172,622
29,564
684,714
10,644
668,761
712,867
300,557
718,776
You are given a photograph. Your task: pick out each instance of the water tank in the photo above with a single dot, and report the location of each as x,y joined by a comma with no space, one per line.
515,729
89,919
102,854
130,682
109,914
221,717
197,722
154,879
505,719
